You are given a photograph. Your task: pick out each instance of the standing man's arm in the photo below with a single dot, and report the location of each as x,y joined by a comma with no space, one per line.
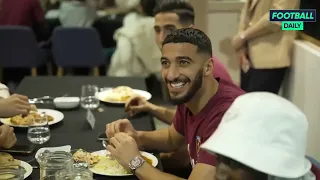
264,26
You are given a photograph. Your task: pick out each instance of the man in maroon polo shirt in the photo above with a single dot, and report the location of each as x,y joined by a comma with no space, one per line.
25,13
172,15
202,101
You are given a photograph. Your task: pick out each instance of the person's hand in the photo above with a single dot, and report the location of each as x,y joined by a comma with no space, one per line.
136,105
237,42
7,137
244,63
121,125
123,148
14,105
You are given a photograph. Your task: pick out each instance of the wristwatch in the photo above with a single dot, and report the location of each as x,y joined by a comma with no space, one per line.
135,163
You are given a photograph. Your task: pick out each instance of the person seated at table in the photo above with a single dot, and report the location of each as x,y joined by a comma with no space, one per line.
11,106
7,137
24,13
202,101
261,137
136,53
77,13
169,16
4,91
14,105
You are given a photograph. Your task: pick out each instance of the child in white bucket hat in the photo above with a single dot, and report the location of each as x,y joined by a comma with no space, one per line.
261,137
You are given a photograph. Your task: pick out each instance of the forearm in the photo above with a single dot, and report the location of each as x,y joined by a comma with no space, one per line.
163,114
177,159
147,172
261,28
264,26
156,140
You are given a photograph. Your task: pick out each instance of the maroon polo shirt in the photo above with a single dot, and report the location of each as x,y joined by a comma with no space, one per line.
220,71
21,12
199,127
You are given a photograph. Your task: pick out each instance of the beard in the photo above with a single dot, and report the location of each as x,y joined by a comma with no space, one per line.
191,92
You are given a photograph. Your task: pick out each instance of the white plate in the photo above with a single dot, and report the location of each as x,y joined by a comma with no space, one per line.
101,95
105,152
27,167
57,117
66,148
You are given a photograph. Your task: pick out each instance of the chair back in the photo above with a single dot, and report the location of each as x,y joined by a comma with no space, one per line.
77,47
18,48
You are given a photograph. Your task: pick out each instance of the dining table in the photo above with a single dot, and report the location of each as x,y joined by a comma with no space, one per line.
74,129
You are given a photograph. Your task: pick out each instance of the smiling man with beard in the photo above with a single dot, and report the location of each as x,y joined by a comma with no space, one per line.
202,101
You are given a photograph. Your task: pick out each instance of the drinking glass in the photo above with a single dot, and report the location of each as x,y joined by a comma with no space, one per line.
74,174
39,132
88,97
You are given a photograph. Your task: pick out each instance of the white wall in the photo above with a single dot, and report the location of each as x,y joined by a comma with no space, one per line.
302,87
223,20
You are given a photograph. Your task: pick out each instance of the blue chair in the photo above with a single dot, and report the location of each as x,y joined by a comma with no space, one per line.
19,49
77,48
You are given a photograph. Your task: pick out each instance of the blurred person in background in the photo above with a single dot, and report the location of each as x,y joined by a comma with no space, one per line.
77,13
136,53
251,145
51,5
176,14
24,13
264,49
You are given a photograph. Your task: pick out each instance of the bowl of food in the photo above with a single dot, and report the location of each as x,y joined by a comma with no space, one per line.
66,102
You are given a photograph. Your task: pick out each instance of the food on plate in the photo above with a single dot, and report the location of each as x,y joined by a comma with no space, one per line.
6,160
147,160
109,165
83,156
120,94
33,107
29,119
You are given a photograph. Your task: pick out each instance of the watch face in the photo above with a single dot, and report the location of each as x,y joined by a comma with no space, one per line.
136,162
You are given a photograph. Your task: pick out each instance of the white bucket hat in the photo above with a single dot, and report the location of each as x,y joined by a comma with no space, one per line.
265,132
127,4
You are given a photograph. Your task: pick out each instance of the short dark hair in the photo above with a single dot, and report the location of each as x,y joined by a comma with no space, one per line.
148,6
192,36
182,8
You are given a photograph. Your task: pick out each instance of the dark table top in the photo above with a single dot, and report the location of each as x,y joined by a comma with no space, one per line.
74,130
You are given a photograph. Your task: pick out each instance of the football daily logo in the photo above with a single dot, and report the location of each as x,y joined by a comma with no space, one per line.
293,20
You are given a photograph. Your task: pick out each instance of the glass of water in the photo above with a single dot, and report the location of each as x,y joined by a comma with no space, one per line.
74,174
39,132
88,97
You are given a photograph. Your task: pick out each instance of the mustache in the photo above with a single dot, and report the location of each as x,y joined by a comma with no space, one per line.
178,79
